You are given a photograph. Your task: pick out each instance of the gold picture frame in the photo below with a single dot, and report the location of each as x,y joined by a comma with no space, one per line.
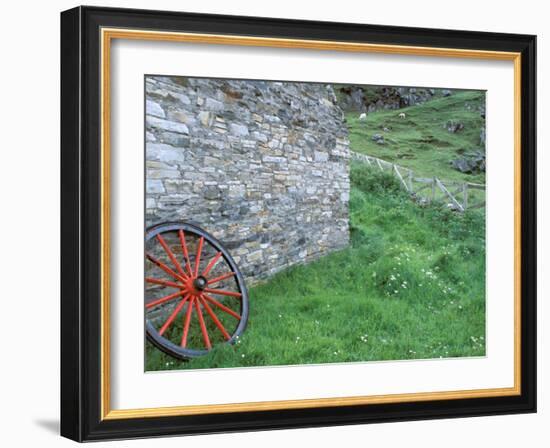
108,30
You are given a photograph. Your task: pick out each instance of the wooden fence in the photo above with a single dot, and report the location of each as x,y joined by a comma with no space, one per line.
457,195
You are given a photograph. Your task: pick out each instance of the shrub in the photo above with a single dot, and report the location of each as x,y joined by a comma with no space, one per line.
371,180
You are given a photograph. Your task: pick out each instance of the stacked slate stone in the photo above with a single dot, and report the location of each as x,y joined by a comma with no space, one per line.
261,165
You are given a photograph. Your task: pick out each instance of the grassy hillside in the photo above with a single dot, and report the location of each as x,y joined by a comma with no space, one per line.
420,141
411,285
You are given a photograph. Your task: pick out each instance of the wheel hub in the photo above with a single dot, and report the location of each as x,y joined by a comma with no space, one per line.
200,283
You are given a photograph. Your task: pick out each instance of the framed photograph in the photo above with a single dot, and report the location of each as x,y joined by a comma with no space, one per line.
276,224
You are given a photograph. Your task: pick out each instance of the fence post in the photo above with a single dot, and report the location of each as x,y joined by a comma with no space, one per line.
410,179
465,195
396,171
433,189
449,195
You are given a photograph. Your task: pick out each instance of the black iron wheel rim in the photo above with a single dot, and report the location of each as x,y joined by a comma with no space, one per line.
152,333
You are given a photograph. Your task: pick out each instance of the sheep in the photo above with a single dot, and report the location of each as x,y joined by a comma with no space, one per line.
363,117
402,115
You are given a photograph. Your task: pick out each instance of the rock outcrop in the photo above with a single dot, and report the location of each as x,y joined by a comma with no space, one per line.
373,98
470,163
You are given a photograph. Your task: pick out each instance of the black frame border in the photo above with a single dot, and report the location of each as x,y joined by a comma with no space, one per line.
81,223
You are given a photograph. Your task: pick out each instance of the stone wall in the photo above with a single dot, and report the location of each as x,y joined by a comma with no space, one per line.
261,165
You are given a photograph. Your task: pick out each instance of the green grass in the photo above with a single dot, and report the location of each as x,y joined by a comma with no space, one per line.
419,141
409,286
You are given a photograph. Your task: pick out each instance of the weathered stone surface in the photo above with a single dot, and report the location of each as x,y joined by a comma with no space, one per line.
164,153
205,118
166,125
154,109
238,129
261,165
184,99
154,186
274,159
213,105
176,185
321,156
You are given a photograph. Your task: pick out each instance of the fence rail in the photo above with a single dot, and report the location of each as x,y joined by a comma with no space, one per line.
457,195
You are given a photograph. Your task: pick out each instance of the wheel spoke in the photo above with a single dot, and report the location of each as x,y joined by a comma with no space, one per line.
203,326
220,278
221,307
165,299
215,318
171,255
198,257
223,292
211,264
165,268
187,322
173,315
159,281
185,251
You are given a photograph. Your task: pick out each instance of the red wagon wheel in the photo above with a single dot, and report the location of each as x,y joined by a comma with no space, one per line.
195,295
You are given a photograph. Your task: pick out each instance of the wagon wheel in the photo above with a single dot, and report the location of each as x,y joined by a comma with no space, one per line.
195,295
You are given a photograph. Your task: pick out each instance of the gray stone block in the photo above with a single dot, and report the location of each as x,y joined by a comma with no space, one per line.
238,129
165,125
154,186
152,108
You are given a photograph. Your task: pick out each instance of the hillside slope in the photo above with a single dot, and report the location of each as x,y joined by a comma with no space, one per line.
421,141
